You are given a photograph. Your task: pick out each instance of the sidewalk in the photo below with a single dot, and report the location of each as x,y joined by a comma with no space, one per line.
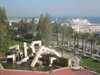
1,67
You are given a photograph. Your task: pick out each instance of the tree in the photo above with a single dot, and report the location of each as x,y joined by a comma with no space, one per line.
63,30
3,24
26,19
21,27
82,37
56,30
86,39
74,36
40,27
9,34
33,25
28,36
67,35
92,39
70,34
47,29
0,31
24,28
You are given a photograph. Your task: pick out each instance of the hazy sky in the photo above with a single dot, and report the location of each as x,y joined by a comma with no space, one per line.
31,8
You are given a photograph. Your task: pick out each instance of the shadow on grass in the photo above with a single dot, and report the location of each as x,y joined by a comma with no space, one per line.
96,61
22,39
85,57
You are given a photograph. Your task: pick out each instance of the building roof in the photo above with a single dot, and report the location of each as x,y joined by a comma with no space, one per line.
14,25
57,24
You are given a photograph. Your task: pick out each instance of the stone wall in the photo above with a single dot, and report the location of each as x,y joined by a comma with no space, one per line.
61,61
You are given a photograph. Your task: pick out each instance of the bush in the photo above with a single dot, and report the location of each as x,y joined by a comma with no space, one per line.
24,40
52,44
28,36
18,39
59,42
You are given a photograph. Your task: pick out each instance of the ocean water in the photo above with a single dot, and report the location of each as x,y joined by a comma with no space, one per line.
61,19
90,19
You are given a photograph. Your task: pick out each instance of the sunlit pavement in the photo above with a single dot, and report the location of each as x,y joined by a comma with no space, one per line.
68,71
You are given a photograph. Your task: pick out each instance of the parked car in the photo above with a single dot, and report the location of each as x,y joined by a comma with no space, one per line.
88,50
78,46
81,48
71,45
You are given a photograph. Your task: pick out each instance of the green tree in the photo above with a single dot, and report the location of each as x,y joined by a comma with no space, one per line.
9,35
86,39
63,31
83,38
74,36
40,27
56,30
67,35
92,39
26,19
20,27
70,35
33,26
24,28
28,36
3,24
47,29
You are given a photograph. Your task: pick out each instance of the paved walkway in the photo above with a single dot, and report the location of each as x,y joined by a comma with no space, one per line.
69,71
74,58
1,67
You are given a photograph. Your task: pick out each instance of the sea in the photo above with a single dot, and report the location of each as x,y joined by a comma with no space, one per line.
95,20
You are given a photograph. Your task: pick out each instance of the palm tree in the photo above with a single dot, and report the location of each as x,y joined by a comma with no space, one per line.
74,36
71,34
67,35
86,39
63,31
56,30
82,37
92,39
78,36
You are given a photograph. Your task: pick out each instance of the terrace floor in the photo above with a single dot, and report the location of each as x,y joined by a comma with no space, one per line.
68,71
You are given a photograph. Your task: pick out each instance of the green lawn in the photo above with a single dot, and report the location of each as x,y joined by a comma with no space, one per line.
90,62
65,50
12,43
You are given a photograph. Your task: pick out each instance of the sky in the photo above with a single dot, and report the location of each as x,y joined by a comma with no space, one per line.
32,8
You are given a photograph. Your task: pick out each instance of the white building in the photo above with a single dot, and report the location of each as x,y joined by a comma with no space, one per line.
78,22
83,25
88,28
17,20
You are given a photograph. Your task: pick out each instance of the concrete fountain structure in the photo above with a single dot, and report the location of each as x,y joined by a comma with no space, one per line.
36,54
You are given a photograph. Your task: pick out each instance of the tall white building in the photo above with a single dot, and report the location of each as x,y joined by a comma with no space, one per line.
78,22
83,25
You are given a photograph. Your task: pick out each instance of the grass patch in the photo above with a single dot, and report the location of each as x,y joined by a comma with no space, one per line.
65,50
60,49
5,48
91,63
